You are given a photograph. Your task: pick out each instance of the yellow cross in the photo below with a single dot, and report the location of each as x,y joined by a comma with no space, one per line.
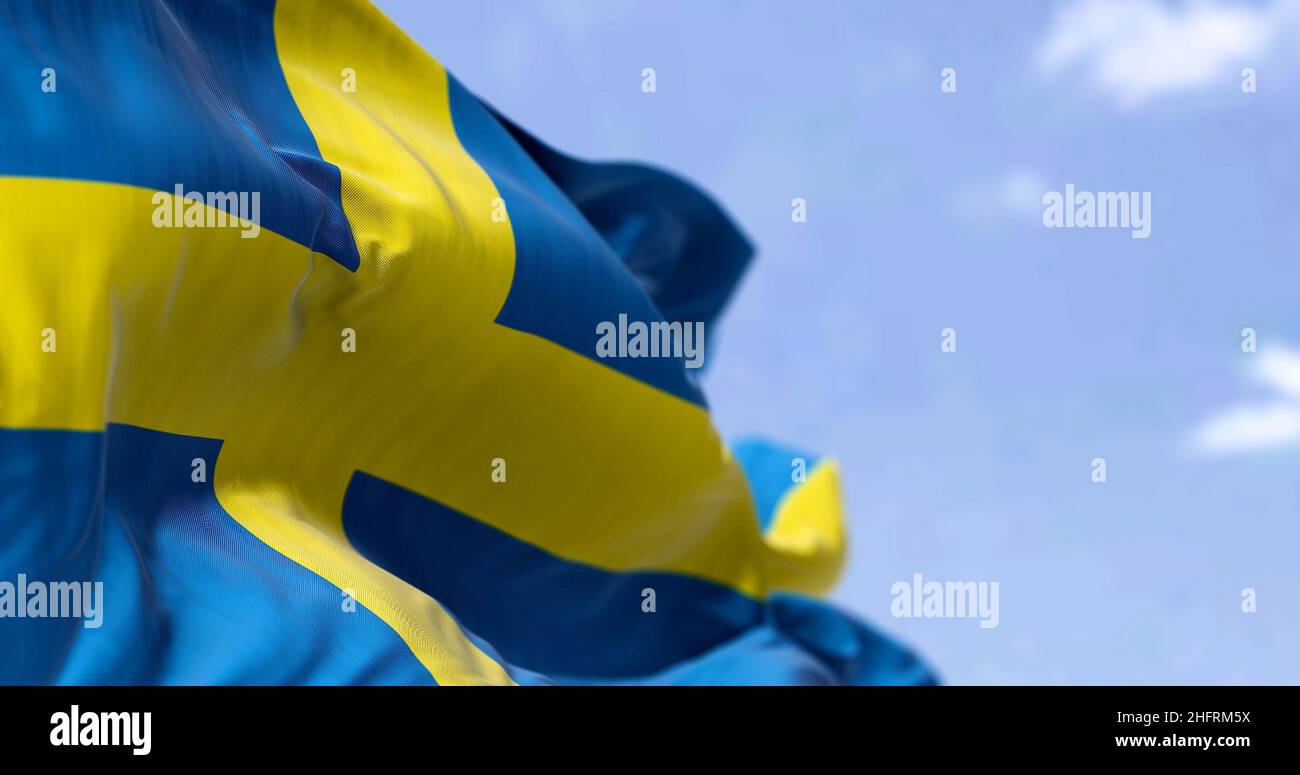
200,332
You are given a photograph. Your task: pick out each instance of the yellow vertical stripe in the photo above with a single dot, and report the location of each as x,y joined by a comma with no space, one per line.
603,469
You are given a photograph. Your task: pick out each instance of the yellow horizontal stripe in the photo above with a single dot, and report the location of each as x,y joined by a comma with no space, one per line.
807,538
200,332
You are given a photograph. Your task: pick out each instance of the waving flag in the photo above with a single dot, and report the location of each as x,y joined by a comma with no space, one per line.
315,369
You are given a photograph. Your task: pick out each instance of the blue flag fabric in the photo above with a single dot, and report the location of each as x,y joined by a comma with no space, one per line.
316,370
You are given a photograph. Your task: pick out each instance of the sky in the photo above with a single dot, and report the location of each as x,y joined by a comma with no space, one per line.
925,212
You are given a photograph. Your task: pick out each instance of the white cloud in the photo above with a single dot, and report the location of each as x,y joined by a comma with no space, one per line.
1016,193
1260,426
1133,50
1279,368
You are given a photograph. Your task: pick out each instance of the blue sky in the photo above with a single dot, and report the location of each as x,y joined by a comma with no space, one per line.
924,212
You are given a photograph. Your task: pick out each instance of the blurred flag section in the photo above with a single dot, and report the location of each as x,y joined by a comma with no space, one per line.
298,358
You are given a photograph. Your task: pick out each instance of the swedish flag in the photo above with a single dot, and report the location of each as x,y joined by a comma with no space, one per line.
299,381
